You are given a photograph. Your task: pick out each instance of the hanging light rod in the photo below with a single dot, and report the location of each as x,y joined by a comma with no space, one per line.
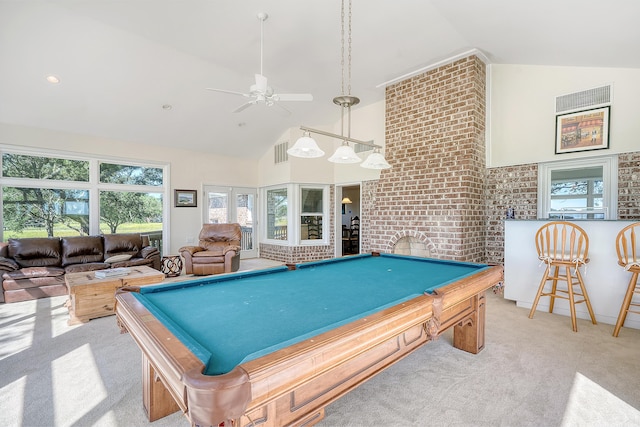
306,147
344,138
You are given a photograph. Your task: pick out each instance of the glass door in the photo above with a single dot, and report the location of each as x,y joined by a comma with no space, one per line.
224,205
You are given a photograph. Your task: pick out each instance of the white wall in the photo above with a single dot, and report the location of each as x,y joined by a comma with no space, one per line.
522,110
188,170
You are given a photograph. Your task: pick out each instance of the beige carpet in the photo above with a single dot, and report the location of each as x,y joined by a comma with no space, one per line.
532,373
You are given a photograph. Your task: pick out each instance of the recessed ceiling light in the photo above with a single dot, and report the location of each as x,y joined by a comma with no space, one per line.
53,79
167,107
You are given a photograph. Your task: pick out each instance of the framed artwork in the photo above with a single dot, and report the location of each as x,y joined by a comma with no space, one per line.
185,198
582,130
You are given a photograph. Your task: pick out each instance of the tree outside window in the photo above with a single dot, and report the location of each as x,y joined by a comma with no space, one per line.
50,196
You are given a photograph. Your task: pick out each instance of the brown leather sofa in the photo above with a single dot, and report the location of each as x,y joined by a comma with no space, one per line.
218,250
34,268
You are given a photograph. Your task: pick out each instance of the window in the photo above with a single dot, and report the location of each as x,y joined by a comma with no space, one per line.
577,194
50,195
137,212
130,174
276,209
41,212
311,213
296,214
579,189
45,168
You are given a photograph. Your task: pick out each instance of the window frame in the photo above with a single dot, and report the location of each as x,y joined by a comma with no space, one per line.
323,240
609,166
94,186
294,210
264,212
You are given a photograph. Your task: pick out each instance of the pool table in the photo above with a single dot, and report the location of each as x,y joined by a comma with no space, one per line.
273,347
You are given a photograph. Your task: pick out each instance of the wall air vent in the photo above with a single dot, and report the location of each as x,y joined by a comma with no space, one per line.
360,148
589,98
280,152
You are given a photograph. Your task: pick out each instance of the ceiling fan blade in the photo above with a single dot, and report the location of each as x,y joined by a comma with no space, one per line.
229,91
244,106
261,83
294,97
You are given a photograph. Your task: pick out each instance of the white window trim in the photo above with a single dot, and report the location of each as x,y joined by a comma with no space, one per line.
325,214
294,195
93,185
263,219
609,166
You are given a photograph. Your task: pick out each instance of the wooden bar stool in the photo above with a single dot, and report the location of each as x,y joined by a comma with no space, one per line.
563,245
628,247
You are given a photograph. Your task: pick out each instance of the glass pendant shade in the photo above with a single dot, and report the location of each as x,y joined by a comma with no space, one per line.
375,161
345,154
305,147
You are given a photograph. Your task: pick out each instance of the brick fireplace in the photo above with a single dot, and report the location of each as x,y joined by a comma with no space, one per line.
434,193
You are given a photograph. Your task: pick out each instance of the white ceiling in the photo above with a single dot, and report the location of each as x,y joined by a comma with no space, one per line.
120,61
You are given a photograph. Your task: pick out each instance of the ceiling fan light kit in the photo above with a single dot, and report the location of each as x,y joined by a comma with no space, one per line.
344,154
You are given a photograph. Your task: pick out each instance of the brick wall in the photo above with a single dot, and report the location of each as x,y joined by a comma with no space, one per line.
435,143
295,254
517,186
629,186
512,186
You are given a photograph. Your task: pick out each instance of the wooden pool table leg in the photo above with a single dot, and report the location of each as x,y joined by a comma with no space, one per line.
468,335
157,401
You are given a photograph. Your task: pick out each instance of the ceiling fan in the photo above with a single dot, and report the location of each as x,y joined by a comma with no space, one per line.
261,92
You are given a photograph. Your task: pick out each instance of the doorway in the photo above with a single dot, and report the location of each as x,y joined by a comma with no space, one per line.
223,205
348,227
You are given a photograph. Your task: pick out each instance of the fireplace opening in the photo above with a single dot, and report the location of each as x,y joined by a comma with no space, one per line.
410,245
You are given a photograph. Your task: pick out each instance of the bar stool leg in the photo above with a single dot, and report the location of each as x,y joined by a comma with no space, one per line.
586,297
572,303
624,309
554,288
543,282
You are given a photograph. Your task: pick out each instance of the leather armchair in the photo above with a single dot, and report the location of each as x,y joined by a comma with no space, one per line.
218,250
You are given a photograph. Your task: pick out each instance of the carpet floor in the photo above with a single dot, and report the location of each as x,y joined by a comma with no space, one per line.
532,372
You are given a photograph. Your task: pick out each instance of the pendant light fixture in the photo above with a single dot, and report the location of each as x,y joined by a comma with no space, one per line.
307,147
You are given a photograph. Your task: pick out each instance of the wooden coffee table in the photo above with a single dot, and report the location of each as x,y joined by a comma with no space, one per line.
91,297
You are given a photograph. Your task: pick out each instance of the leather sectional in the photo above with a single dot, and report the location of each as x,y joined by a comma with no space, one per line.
34,268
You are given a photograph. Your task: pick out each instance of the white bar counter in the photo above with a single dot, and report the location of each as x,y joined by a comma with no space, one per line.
605,280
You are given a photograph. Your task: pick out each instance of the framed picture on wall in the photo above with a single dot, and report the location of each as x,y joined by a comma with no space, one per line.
185,198
582,130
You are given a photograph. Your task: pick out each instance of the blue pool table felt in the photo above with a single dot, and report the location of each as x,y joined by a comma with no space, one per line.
231,319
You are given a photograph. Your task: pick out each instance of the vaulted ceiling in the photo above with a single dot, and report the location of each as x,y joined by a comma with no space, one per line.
119,62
